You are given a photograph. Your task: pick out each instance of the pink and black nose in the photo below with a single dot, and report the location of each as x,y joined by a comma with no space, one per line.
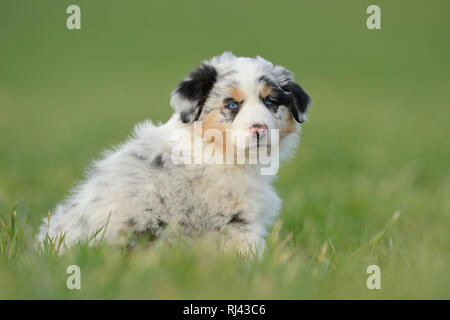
258,128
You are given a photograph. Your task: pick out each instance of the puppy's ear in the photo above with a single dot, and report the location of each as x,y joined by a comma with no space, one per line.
190,95
300,101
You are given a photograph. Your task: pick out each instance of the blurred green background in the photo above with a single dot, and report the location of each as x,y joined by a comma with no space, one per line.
377,141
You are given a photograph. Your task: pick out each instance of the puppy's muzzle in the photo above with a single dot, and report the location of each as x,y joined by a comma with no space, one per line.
259,129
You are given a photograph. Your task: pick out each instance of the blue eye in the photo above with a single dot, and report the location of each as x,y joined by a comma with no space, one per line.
268,102
232,106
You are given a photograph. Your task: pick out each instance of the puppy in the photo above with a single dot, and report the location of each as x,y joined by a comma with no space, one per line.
180,173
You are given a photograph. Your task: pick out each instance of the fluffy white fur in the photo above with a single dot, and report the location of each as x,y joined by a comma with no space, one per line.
141,191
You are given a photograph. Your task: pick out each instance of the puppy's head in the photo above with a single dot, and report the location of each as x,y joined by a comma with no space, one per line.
249,95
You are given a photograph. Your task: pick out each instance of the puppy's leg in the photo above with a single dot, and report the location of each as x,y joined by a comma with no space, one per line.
247,243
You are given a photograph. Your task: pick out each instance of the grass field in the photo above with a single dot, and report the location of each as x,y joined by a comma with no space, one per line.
377,143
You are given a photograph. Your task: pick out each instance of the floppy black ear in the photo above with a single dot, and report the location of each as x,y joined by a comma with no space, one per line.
300,101
190,95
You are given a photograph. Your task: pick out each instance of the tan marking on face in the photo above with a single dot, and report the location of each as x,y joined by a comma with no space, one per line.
237,94
237,206
265,91
211,121
288,125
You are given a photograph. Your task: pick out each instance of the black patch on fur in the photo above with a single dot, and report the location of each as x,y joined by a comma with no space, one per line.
158,161
300,100
229,100
186,116
228,115
147,235
189,210
277,95
152,229
131,222
290,95
236,218
196,89
200,81
139,156
161,224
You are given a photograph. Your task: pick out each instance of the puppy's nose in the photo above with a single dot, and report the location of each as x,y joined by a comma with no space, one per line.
258,127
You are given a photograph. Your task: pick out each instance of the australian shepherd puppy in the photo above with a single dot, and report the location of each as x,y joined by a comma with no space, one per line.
202,171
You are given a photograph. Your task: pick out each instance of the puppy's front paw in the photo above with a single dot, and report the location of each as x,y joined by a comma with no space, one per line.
246,246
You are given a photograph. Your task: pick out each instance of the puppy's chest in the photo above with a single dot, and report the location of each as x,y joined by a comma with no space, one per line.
221,198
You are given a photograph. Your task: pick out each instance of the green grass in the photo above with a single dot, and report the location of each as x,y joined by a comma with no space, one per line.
376,144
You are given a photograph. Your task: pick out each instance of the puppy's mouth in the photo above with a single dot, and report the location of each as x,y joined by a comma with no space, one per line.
261,139
258,139
258,134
